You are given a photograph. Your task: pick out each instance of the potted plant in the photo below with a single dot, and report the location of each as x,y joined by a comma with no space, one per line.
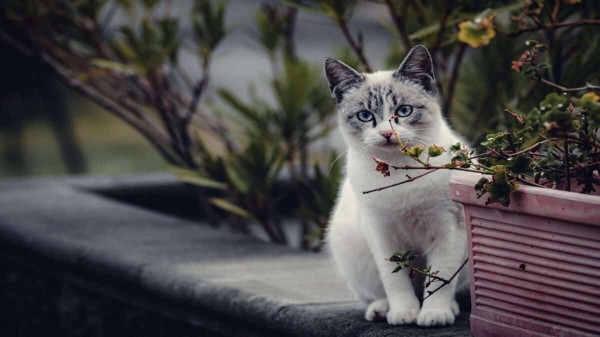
533,249
534,239
534,264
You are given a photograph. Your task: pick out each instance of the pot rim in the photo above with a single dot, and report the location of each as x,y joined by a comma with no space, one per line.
545,202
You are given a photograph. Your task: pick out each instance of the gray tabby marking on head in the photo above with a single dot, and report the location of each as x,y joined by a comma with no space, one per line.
417,67
383,93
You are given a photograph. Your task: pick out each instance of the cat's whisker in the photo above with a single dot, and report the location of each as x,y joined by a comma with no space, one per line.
365,148
420,142
335,161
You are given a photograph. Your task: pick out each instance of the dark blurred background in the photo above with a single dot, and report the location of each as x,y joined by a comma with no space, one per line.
47,129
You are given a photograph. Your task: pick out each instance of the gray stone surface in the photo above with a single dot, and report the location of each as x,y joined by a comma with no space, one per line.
181,268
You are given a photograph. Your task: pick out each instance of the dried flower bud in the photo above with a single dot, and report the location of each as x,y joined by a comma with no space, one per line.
382,166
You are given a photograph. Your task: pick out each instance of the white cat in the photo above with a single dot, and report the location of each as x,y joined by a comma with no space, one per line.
366,229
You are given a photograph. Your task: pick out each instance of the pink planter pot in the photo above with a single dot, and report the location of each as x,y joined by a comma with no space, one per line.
535,265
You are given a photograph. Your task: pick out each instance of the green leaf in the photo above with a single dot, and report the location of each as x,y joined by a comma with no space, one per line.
520,164
481,186
208,21
234,178
228,206
495,139
433,29
397,269
117,67
456,147
500,187
396,257
196,178
415,151
243,109
299,5
408,253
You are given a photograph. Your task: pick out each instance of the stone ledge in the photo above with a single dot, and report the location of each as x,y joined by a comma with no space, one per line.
222,283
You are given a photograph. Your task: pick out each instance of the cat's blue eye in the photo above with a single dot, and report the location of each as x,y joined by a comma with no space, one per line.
365,116
404,110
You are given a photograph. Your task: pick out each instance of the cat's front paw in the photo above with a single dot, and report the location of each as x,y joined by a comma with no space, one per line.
402,316
433,317
377,310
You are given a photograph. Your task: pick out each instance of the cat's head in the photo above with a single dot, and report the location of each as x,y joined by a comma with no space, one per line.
366,103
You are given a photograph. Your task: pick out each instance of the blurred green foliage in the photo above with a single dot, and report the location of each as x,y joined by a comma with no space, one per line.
280,134
479,48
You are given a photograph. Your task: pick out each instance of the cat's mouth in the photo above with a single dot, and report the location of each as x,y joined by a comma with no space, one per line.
388,144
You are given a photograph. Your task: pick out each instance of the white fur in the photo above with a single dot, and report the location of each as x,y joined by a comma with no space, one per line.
366,229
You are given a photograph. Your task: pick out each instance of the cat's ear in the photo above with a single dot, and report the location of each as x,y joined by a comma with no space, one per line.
341,77
418,67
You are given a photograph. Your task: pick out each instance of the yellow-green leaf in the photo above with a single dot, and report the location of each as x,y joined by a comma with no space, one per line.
196,178
435,151
228,206
115,66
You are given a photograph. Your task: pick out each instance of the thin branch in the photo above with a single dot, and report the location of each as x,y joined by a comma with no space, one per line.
164,112
154,136
429,167
198,90
529,148
453,79
399,21
590,165
356,46
588,86
446,282
215,124
440,35
566,162
290,47
530,183
554,26
554,14
112,10
402,182
184,77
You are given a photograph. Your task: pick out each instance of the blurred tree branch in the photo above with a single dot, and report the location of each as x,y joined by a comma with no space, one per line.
125,76
356,45
131,115
454,75
399,18
554,26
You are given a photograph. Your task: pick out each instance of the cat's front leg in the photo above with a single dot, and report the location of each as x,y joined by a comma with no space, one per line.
383,242
404,305
445,255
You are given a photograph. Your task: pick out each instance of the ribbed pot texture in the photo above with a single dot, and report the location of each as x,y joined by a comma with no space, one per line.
535,265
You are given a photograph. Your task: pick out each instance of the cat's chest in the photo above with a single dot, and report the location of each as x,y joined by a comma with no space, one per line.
395,193
401,225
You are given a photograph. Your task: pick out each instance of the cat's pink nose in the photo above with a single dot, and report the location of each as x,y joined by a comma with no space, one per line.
386,134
